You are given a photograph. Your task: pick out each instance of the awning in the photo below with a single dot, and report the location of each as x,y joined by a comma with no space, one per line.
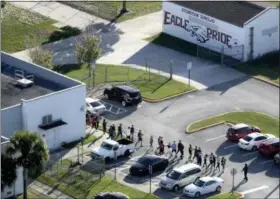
53,124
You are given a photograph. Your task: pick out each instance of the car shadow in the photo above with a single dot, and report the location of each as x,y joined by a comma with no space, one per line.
241,156
167,194
226,148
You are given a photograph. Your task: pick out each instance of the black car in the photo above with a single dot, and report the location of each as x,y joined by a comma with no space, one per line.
141,167
124,94
111,195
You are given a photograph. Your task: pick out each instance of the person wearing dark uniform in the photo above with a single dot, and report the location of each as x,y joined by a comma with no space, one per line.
97,122
180,147
195,152
223,162
205,160
132,133
140,139
119,131
104,125
214,161
245,170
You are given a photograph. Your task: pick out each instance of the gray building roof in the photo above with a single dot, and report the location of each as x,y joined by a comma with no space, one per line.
233,12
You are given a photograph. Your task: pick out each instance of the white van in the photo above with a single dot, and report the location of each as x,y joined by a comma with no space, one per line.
180,177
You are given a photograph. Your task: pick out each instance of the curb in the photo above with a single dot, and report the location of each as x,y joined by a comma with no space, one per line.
267,81
206,127
241,195
168,98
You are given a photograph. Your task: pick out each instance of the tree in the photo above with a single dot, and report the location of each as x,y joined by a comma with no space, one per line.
41,57
8,171
87,52
30,151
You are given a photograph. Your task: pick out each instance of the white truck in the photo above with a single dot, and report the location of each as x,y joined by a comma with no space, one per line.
111,149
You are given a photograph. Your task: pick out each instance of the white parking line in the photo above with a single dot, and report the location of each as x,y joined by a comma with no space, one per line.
234,145
250,153
215,138
267,161
255,189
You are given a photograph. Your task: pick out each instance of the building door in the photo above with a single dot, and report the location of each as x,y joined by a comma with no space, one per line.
251,43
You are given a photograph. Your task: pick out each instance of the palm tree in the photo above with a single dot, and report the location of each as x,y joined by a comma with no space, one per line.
29,151
8,171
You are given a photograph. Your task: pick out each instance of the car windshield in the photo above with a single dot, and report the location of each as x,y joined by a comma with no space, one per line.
174,175
199,183
95,104
247,138
134,94
231,130
106,146
145,161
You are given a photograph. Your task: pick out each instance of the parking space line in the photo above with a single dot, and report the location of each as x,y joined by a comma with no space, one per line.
267,161
215,138
255,189
233,145
250,153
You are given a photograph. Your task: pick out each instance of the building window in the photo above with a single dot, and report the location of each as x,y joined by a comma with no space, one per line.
47,119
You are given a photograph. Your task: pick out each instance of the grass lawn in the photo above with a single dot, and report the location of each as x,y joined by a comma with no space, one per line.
22,29
110,9
34,194
158,88
266,123
234,195
82,184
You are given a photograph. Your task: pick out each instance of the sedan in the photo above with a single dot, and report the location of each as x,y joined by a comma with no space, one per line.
203,186
141,167
252,141
94,106
111,195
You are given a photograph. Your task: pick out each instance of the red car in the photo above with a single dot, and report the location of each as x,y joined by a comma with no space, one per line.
238,131
270,147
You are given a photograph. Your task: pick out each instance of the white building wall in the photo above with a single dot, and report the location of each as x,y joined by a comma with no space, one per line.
266,33
67,105
202,29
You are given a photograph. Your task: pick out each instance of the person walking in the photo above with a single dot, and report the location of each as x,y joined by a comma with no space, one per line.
205,160
199,159
114,128
151,141
104,126
161,147
111,133
214,161
140,139
173,148
223,162
218,163
190,151
245,170
195,152
119,131
169,150
211,161
180,149
132,133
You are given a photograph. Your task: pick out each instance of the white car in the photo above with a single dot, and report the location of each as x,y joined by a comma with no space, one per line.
252,141
203,186
94,106
180,177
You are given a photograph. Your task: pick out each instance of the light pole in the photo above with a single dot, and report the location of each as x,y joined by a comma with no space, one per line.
93,66
189,66
115,156
233,172
124,10
150,172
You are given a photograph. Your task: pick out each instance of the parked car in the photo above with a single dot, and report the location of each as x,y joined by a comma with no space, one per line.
270,147
108,148
203,186
94,106
180,177
252,141
238,131
141,167
124,94
111,195
277,158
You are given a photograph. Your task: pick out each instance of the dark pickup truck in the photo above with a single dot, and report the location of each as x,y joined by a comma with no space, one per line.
124,94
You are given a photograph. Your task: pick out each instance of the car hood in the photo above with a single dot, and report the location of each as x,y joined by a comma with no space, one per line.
167,180
138,165
100,151
191,187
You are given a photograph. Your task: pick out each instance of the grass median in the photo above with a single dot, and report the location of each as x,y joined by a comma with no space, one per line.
266,123
34,194
233,195
79,183
152,87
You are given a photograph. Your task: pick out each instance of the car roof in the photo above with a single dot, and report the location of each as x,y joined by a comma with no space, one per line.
128,88
206,178
89,100
239,126
272,140
256,134
186,167
152,157
112,142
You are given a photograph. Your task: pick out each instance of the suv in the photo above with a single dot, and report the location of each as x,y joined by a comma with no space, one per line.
238,131
270,147
180,177
124,94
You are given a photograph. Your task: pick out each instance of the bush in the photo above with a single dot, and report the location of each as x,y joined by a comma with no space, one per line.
271,59
64,33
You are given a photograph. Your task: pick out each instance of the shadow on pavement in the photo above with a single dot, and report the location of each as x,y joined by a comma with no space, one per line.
226,148
273,190
166,194
240,155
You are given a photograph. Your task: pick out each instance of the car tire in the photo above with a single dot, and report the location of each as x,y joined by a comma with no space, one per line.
254,148
176,188
106,96
127,153
123,103
218,189
197,194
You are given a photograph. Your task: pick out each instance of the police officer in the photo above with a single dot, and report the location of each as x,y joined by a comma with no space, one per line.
111,133
119,131
245,170
132,133
214,161
181,149
104,125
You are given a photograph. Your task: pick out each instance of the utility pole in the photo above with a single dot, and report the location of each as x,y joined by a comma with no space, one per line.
189,66
124,10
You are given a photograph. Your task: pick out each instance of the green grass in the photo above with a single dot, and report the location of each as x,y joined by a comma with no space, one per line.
34,194
234,195
110,9
86,185
158,88
22,29
266,123
90,138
